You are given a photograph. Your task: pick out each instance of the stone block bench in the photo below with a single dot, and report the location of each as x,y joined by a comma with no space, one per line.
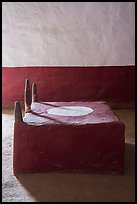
72,137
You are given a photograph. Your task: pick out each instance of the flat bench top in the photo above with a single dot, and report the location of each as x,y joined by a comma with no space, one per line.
70,113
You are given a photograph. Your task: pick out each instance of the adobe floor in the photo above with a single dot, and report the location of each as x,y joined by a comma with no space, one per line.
68,187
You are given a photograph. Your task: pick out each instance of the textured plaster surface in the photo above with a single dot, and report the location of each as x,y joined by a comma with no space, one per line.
113,84
68,33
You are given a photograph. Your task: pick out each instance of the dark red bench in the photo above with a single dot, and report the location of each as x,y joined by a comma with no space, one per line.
45,140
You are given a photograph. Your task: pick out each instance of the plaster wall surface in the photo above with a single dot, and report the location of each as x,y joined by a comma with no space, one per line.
114,84
68,33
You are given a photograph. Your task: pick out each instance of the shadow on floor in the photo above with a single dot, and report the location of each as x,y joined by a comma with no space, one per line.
84,187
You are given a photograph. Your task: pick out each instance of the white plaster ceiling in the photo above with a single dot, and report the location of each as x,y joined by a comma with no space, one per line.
68,33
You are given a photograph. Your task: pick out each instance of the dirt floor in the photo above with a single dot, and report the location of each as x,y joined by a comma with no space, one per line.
68,187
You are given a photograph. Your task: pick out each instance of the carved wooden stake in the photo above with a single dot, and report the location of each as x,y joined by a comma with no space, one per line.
34,93
27,97
18,112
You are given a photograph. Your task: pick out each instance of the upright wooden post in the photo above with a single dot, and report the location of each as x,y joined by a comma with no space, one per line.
34,93
27,97
18,112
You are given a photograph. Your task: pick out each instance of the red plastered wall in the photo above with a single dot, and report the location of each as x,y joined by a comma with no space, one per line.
115,84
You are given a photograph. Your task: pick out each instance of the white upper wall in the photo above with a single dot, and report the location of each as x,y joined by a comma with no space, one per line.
68,33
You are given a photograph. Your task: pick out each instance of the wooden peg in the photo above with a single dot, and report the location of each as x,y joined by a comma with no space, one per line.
34,93
18,112
27,97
